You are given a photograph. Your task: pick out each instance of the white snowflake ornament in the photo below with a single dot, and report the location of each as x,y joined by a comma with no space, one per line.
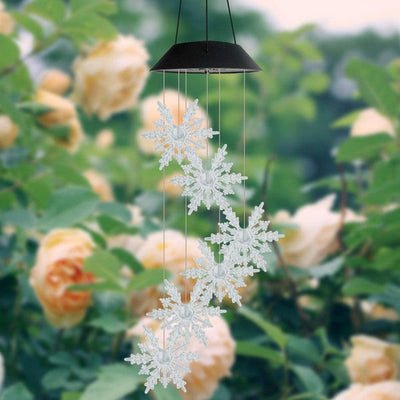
219,278
178,141
163,365
245,244
207,186
185,319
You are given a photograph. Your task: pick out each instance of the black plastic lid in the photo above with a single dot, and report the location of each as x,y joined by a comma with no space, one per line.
201,57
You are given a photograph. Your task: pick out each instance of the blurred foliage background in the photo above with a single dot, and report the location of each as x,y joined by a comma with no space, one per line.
79,192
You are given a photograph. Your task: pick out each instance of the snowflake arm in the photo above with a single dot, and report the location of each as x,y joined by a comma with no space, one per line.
219,279
184,319
178,141
163,365
245,244
207,186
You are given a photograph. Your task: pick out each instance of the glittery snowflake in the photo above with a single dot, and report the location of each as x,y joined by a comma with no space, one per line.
164,365
245,244
207,186
178,141
184,319
219,278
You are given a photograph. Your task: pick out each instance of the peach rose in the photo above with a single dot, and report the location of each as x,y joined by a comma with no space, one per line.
110,78
215,362
99,185
105,139
63,113
8,132
150,114
150,254
315,235
58,265
7,23
55,81
372,360
379,311
377,391
369,122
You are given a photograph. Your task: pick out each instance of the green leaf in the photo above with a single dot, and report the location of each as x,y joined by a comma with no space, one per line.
271,330
347,120
255,350
96,287
112,227
69,175
374,85
114,381
53,10
116,210
302,348
147,278
34,108
20,217
387,259
104,266
364,147
128,259
106,7
169,393
86,26
39,190
67,207
71,396
309,379
17,391
63,358
361,286
29,23
316,82
391,297
109,324
56,378
60,132
327,269
9,52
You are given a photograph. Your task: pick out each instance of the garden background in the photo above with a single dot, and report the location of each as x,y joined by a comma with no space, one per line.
80,204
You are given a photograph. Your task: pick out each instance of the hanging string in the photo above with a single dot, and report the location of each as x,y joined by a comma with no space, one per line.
219,146
163,217
244,148
186,211
207,122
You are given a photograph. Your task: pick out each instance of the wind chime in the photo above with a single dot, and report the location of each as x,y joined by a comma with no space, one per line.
241,244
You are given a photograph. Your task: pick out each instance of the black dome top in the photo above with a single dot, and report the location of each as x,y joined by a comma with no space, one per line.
201,57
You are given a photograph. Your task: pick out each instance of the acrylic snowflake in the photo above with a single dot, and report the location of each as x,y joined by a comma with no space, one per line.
163,365
207,186
178,141
219,278
184,319
245,244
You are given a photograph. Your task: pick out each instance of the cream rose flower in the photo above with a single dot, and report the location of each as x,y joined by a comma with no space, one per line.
170,188
149,111
315,235
150,254
55,81
99,185
63,113
379,311
373,360
105,139
7,23
8,132
58,265
215,362
378,391
369,122
110,78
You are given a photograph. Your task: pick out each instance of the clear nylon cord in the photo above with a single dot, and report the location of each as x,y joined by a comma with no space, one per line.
244,149
163,217
186,210
219,146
